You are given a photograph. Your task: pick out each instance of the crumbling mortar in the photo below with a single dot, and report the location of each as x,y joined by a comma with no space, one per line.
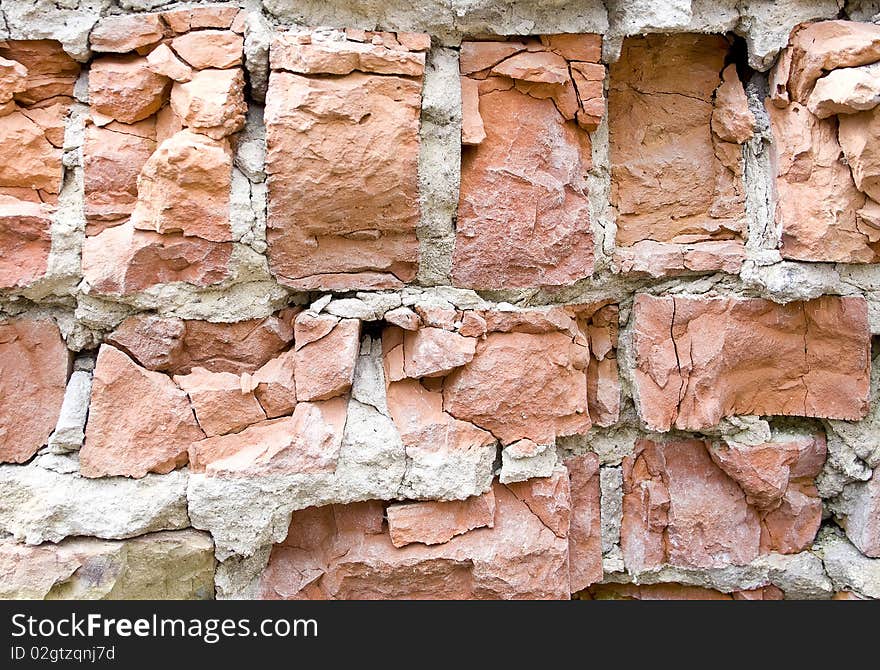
439,166
603,283
603,223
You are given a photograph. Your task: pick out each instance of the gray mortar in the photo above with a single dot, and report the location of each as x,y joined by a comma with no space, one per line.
42,490
863,10
764,25
611,492
763,233
764,273
250,152
69,431
848,569
853,449
862,280
801,576
40,504
238,577
372,463
517,468
257,39
439,166
611,445
447,20
602,218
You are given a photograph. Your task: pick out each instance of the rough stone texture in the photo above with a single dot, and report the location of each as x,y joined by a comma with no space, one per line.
847,568
732,120
326,366
171,565
341,54
25,236
523,213
113,158
597,422
444,453
184,188
680,509
603,383
672,116
41,505
201,16
659,259
764,471
124,89
434,352
162,60
34,365
585,529
176,345
345,552
306,442
121,34
828,45
123,260
521,385
859,510
36,82
845,91
50,70
39,166
209,48
342,155
158,161
399,445
139,421
218,401
699,360
438,522
822,143
274,385
69,431
433,437
818,203
211,102
856,133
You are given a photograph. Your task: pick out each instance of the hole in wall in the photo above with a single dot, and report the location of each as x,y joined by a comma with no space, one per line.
739,56
372,328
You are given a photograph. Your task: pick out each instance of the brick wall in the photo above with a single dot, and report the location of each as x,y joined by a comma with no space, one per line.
495,301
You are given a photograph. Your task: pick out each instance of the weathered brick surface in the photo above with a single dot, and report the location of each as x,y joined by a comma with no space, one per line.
519,551
681,509
825,202
36,85
677,117
33,372
523,214
700,360
342,160
304,312
164,102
